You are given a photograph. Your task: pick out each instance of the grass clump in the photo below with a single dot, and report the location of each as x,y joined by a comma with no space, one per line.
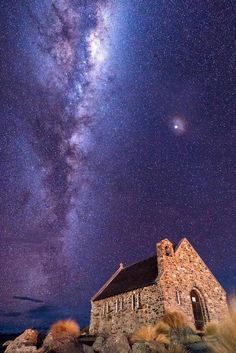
145,333
176,320
211,328
65,328
224,333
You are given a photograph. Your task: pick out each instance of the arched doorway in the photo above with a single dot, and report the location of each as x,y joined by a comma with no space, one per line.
197,309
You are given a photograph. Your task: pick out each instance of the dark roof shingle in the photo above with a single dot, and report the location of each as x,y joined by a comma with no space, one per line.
136,276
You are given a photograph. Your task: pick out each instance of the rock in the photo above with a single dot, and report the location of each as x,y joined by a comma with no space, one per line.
190,339
147,347
155,346
65,344
25,343
48,341
5,344
183,336
198,347
87,349
99,342
116,344
141,347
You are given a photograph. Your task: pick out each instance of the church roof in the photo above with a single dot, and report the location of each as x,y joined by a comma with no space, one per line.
136,276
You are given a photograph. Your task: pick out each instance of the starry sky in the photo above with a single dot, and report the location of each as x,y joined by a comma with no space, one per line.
117,129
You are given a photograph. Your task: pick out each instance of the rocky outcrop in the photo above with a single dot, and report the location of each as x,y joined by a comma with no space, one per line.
25,343
119,343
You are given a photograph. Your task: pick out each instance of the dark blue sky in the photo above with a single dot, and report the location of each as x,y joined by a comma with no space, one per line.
117,129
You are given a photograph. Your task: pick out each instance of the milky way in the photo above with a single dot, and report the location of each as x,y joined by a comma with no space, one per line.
65,46
117,129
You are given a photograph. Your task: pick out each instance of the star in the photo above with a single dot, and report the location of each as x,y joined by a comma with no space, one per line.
178,124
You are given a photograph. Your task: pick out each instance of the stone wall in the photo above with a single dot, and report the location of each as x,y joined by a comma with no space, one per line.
129,317
183,270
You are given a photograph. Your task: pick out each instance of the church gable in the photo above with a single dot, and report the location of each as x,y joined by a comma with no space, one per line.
191,260
187,284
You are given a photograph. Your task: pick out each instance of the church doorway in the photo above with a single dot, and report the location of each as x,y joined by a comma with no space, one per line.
197,309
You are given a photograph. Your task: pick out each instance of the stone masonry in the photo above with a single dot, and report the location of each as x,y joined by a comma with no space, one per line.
182,279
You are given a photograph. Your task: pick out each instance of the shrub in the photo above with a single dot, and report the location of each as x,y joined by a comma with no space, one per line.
211,328
162,327
225,333
176,320
145,333
65,328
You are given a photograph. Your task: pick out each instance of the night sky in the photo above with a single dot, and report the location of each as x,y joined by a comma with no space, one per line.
117,129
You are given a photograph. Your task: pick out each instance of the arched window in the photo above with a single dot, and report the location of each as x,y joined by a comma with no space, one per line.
198,309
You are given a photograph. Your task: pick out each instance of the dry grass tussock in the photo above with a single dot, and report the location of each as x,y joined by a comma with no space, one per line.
160,331
211,328
145,333
65,328
176,320
224,335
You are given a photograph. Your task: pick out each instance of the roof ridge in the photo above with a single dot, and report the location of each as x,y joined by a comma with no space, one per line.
114,275
139,262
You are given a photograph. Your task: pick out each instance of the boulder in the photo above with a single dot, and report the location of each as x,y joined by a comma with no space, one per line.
25,343
99,342
116,344
65,344
155,346
198,347
141,347
87,349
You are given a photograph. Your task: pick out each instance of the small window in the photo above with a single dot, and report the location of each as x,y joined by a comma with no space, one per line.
136,302
133,301
167,250
103,310
121,304
178,297
107,307
117,305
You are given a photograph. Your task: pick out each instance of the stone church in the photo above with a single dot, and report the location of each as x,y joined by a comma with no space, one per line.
176,278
